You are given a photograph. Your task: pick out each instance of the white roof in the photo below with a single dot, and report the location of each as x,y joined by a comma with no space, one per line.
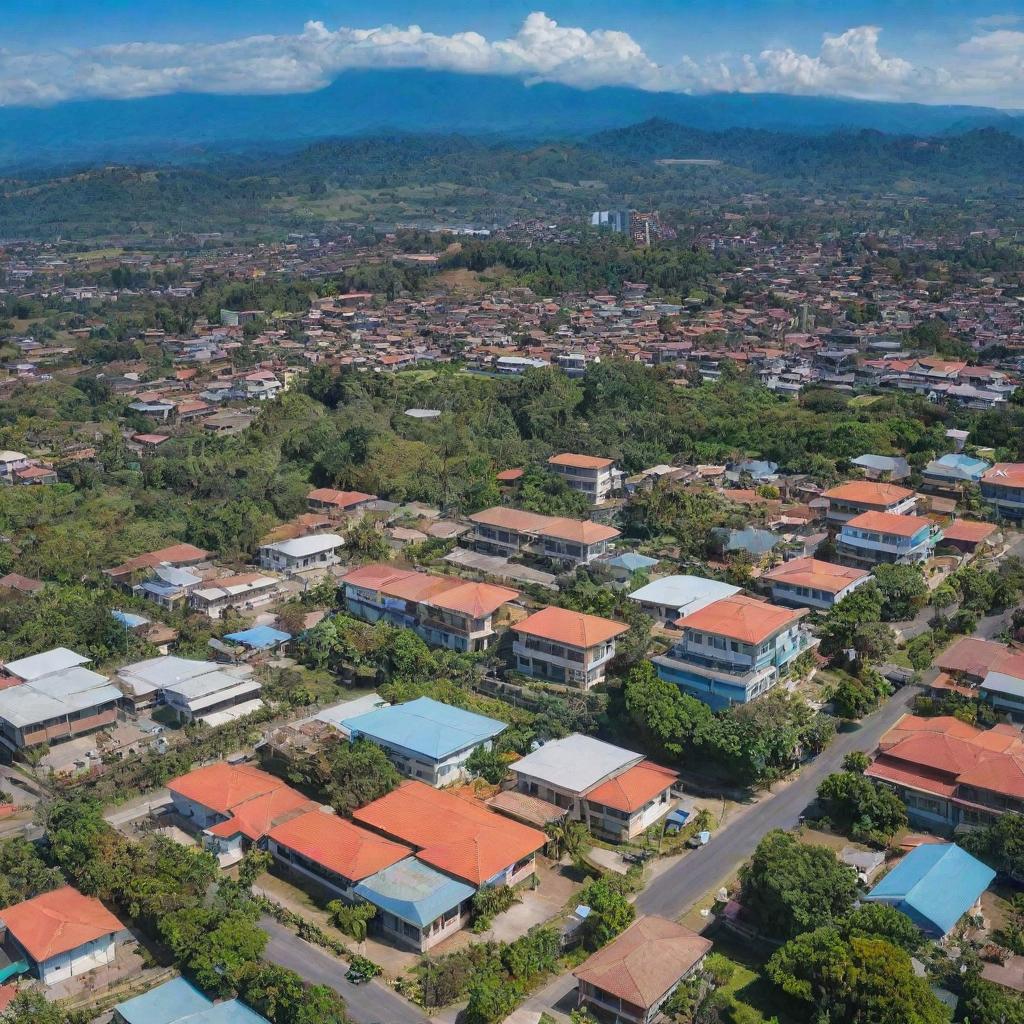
55,695
231,714
45,663
157,673
302,546
576,763
212,592
335,714
7,456
1003,682
685,593
198,688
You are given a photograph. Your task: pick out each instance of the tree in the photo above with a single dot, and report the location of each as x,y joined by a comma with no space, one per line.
867,811
903,588
610,911
357,774
839,627
488,765
254,863
986,1003
670,720
352,918
1000,845
788,887
856,696
24,873
33,1008
880,921
214,947
568,837
856,761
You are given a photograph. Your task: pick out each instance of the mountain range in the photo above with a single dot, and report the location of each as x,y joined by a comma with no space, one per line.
187,128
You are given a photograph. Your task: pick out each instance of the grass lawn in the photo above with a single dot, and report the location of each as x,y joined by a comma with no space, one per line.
747,984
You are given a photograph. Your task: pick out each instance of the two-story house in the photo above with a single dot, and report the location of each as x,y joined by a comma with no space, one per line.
313,552
1002,487
592,476
857,496
563,646
734,650
876,537
511,532
812,583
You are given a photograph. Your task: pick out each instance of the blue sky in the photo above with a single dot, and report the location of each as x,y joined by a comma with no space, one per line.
944,50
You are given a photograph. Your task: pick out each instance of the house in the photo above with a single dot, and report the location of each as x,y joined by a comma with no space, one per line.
563,646
876,537
623,567
444,610
935,884
56,698
61,934
1002,487
177,555
244,591
969,659
213,697
616,793
168,586
300,553
891,468
812,583
857,496
325,499
178,1002
633,977
674,597
234,806
21,584
426,739
734,650
509,532
33,475
10,463
970,537
144,682
594,477
951,473
1004,690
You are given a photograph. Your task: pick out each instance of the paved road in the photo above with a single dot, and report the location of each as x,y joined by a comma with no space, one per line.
678,889
371,1003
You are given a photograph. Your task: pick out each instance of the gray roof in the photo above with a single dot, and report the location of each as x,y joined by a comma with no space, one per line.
335,714
56,695
37,665
302,546
1003,682
896,465
159,673
221,683
576,763
686,593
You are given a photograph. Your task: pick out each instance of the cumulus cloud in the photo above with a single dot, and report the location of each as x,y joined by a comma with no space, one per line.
851,63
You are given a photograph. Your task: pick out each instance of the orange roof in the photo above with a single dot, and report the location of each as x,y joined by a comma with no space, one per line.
57,922
350,851
176,554
645,961
341,499
505,518
580,461
812,572
634,787
1005,474
972,656
222,787
584,531
568,627
507,476
741,618
886,522
473,599
967,530
457,836
867,492
580,531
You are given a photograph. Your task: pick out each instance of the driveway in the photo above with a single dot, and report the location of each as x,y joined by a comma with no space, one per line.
370,1003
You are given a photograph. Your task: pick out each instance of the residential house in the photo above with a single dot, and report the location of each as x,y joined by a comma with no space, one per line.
179,1002
1002,487
214,697
35,475
326,499
168,586
674,597
876,537
812,583
969,537
10,463
594,477
634,976
144,682
444,610
892,468
177,555
509,532
21,584
563,646
244,591
857,496
951,473
426,739
301,553
734,650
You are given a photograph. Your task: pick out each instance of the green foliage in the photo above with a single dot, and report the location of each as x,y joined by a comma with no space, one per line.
880,921
610,909
841,622
23,872
1000,845
855,696
986,1003
672,723
856,761
488,765
903,588
350,774
867,811
489,903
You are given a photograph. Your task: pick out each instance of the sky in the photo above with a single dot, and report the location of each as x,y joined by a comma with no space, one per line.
942,51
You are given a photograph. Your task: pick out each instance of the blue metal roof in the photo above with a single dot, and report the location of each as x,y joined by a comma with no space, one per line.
934,885
425,727
259,636
129,619
413,891
178,1002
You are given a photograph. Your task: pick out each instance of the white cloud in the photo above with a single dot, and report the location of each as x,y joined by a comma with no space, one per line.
851,63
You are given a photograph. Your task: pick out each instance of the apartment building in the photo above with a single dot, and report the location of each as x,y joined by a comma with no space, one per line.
734,650
511,532
873,538
563,646
444,610
316,551
812,583
1002,487
857,496
592,476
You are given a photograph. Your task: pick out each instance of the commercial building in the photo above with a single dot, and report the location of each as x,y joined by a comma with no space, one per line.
674,597
594,477
812,583
857,496
313,552
444,610
563,646
426,739
1002,487
734,650
874,538
509,532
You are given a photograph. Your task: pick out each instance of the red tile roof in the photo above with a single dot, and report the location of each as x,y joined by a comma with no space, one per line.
340,499
634,787
741,618
476,600
1005,474
867,492
886,522
812,572
176,554
57,922
576,629
579,531
971,656
580,461
967,530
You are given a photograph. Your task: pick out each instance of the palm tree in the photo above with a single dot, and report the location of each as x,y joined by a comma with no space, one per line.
568,837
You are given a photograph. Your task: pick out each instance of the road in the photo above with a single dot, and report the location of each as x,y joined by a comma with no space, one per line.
370,1003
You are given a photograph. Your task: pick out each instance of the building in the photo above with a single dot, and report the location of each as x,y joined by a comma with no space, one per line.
935,884
734,650
178,1002
11,463
444,610
60,934
1002,487
951,473
55,698
876,537
313,552
812,583
177,555
242,592
509,532
857,496
213,697
168,586
594,477
426,739
891,468
144,682
567,647
615,792
674,597
633,977
970,537
326,499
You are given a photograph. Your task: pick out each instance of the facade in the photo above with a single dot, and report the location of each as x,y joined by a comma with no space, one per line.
1003,488
510,532
674,597
313,552
11,463
734,650
61,934
594,477
245,591
632,978
567,647
426,739
615,792
857,496
444,610
876,537
812,583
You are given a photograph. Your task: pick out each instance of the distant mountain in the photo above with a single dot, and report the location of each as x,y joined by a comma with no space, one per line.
192,127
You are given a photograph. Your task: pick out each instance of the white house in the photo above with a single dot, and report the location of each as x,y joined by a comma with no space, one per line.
675,597
593,477
10,463
312,552
812,583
